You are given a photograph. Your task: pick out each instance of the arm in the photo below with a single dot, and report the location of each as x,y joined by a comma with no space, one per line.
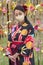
27,47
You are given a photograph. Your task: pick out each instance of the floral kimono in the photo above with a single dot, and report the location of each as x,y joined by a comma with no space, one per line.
22,40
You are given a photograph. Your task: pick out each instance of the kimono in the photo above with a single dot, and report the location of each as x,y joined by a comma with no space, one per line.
22,42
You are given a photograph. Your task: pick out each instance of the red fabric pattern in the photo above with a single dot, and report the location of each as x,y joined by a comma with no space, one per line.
29,38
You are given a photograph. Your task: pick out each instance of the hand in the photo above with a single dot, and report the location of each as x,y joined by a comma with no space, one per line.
13,57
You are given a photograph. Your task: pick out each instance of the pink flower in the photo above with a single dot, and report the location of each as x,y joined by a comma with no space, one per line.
7,1
36,27
38,22
31,8
41,4
4,10
37,49
40,42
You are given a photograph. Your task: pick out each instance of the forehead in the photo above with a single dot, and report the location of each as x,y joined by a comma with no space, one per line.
18,11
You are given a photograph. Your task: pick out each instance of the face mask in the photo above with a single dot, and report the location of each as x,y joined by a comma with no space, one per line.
20,18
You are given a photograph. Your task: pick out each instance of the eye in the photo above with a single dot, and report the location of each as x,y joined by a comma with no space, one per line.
20,13
16,14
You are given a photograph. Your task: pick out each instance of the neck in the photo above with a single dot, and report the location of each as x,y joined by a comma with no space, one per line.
21,23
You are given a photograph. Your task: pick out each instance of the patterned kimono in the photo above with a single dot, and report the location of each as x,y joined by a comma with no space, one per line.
22,40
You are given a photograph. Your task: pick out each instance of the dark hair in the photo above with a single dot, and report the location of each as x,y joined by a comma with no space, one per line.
26,20
19,7
22,8
30,25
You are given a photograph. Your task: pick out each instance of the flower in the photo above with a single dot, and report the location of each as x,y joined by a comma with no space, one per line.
38,22
32,8
25,8
4,10
0,9
1,48
5,32
41,4
4,54
40,29
25,63
37,49
36,27
29,45
41,51
37,6
13,5
0,4
7,1
24,32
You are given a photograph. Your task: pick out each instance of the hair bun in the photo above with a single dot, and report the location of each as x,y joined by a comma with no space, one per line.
25,8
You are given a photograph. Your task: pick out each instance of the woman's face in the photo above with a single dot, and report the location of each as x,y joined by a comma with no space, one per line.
19,15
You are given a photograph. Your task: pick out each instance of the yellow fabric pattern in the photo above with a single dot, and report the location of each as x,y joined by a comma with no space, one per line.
25,24
29,45
25,63
24,32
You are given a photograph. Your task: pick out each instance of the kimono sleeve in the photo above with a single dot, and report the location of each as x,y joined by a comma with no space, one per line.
32,29
27,47
12,31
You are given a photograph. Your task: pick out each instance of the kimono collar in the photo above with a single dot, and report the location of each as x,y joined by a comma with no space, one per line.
24,24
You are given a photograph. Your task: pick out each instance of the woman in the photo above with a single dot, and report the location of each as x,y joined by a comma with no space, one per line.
21,40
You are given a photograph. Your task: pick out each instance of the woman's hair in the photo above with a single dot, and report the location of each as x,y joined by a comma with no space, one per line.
19,7
26,20
30,25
